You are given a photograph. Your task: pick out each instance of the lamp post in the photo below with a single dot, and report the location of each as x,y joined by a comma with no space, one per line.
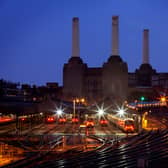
74,107
82,100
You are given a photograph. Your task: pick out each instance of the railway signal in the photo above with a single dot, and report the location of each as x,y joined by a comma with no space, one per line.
142,98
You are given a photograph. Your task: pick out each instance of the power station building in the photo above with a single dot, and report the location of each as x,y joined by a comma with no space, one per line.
112,81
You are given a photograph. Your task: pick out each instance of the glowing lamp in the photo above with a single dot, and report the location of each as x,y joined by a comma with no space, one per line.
82,100
100,111
163,99
121,112
59,112
142,98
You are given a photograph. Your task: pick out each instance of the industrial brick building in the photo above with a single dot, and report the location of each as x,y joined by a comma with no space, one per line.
112,81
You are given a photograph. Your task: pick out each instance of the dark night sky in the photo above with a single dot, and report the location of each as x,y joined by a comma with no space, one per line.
35,35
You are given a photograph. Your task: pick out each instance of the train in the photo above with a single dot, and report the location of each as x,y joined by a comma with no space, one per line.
125,124
6,119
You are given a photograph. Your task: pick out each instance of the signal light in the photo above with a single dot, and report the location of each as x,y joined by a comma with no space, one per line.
142,98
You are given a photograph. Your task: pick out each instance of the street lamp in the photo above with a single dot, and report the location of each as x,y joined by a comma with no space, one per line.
100,112
77,100
82,100
121,112
74,107
59,112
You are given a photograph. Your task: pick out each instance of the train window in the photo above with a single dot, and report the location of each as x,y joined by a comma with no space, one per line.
129,122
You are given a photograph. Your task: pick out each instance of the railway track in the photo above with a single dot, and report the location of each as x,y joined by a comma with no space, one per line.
150,146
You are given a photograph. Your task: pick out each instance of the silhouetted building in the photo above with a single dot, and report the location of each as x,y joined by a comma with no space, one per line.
112,81
95,84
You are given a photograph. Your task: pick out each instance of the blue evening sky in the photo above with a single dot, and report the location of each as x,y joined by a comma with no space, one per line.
35,35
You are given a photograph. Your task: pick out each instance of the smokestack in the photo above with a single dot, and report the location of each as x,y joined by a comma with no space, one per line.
75,37
115,36
145,47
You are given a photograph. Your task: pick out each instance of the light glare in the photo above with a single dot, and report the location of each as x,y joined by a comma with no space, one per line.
59,112
101,111
121,112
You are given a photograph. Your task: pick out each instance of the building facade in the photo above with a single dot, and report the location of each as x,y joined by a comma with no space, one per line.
112,81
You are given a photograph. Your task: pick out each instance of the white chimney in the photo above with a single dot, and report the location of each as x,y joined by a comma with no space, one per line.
145,47
115,35
75,37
